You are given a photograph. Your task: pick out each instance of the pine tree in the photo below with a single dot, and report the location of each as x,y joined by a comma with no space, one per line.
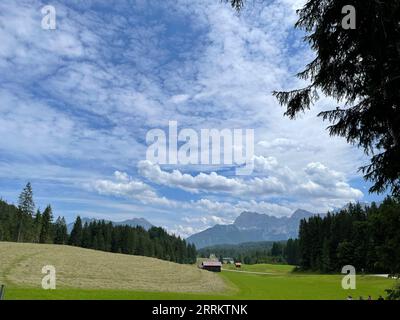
25,200
75,238
86,240
276,249
26,208
37,223
325,260
60,232
46,229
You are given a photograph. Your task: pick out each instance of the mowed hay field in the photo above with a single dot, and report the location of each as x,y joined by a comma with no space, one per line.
21,265
90,274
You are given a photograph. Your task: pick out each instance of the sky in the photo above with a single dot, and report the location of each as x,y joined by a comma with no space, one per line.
77,102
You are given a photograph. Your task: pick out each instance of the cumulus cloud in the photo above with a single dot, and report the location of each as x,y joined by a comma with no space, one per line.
316,180
124,186
212,182
323,182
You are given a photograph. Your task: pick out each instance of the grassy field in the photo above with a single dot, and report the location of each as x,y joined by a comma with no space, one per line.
89,274
266,268
21,265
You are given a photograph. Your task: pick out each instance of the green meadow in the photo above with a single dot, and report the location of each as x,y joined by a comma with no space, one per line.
245,286
78,279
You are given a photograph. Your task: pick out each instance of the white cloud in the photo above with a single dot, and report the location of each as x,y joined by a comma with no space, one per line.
212,182
323,182
123,187
180,98
137,190
316,180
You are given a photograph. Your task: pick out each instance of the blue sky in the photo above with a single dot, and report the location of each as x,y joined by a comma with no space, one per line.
76,104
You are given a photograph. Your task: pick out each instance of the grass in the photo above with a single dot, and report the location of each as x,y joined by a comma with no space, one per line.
77,268
252,287
304,287
267,268
17,271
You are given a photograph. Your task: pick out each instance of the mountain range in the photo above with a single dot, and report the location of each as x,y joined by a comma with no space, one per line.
251,227
134,222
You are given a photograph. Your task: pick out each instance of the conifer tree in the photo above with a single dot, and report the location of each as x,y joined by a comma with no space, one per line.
75,238
47,228
37,223
60,232
26,208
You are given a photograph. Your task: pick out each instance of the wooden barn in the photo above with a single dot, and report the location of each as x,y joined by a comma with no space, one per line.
214,266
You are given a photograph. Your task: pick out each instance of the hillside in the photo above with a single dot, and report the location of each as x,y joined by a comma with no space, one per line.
21,266
251,227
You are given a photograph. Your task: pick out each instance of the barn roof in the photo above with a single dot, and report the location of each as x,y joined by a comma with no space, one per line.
212,264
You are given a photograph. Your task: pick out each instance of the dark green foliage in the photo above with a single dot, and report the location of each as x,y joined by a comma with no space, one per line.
19,224
76,234
366,237
46,231
155,242
26,208
394,293
256,252
292,252
37,226
8,222
60,231
277,249
25,200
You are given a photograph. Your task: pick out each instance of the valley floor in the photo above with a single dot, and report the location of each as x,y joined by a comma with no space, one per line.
85,274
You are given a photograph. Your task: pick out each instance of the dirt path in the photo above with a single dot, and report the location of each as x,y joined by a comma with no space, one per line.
252,272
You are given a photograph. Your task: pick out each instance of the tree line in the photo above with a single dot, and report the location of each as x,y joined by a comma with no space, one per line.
367,238
23,223
155,242
256,252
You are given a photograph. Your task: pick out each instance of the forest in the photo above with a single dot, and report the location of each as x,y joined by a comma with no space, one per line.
25,223
256,252
366,237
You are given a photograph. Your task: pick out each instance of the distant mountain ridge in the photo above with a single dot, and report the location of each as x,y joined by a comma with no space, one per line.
134,222
251,227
